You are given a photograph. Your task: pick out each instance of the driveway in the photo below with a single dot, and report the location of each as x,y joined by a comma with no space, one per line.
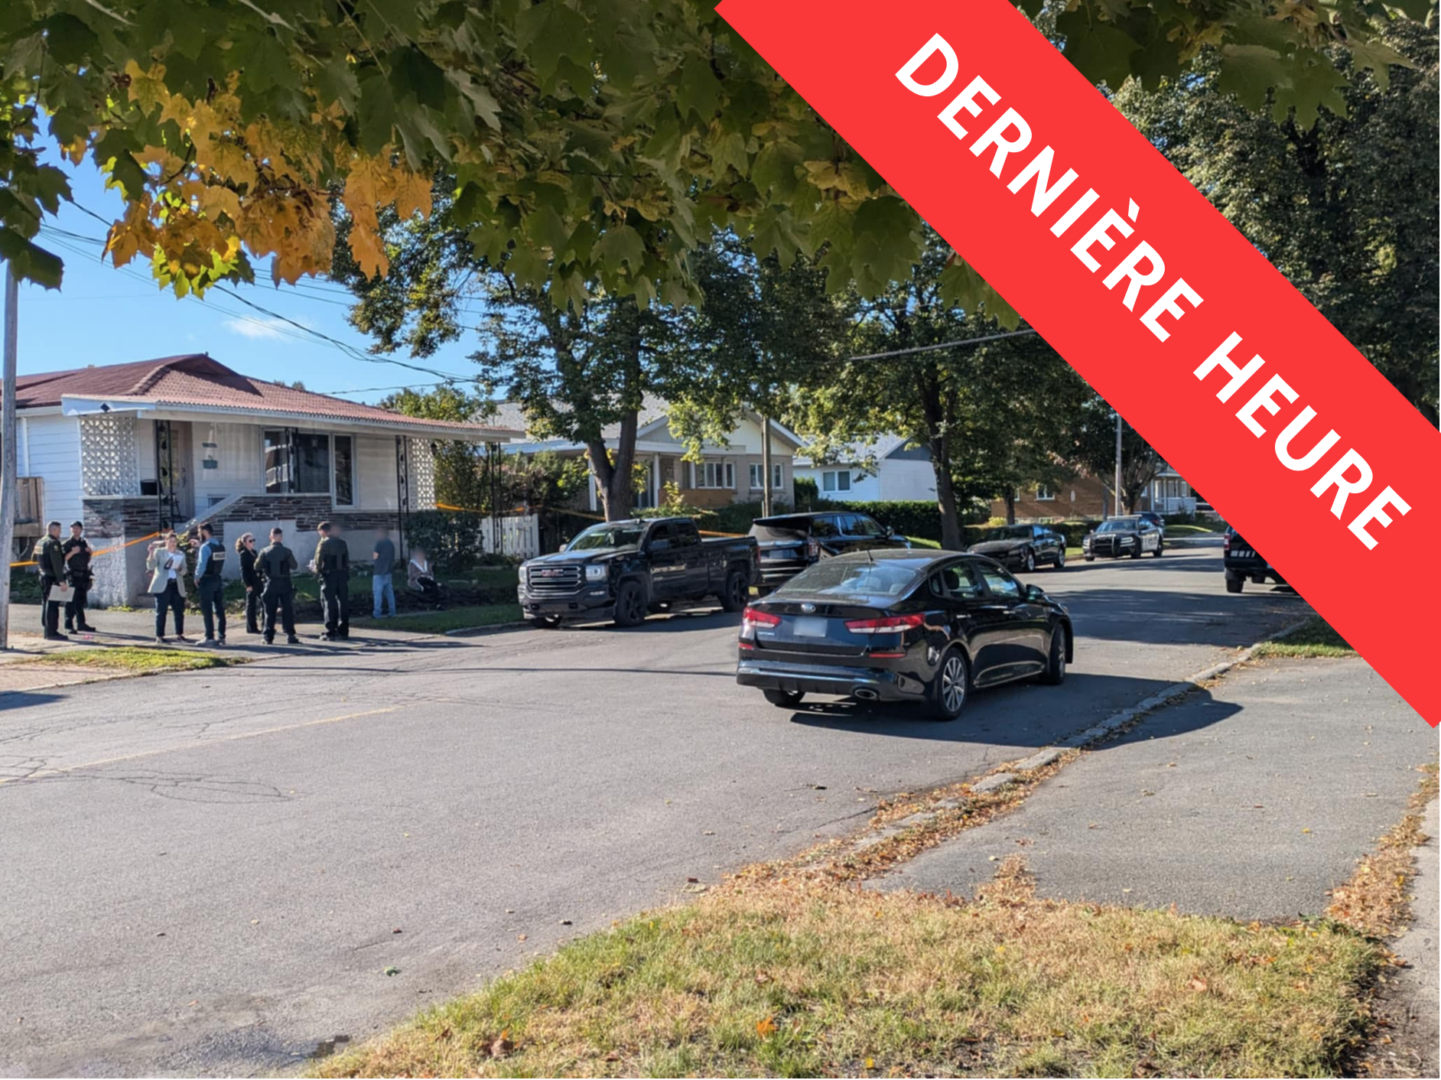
213,872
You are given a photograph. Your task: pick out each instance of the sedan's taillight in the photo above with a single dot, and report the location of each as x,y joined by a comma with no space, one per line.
891,624
756,617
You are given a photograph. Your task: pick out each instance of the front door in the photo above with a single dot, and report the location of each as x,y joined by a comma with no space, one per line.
175,481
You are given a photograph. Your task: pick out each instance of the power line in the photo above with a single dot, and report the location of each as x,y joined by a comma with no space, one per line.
942,345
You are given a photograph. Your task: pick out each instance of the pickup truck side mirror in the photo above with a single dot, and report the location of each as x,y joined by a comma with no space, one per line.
564,544
1035,593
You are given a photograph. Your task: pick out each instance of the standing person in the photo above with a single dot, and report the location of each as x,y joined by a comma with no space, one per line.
245,548
209,566
50,558
166,563
276,563
332,563
382,572
77,568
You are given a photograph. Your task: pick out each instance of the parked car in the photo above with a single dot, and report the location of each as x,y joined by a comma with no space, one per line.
1114,537
791,542
621,570
904,626
1155,519
1242,561
1023,547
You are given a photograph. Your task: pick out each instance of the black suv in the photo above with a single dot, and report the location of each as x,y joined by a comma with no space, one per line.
791,542
1242,561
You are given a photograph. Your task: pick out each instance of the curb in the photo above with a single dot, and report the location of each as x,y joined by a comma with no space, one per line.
478,631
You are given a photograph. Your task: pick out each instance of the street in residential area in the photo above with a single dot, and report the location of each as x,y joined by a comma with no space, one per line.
235,869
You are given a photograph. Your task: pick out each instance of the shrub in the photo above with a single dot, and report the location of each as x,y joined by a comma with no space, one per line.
453,539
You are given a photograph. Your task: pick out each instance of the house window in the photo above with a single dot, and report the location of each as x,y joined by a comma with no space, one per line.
299,463
778,476
836,481
755,476
1044,494
344,471
715,474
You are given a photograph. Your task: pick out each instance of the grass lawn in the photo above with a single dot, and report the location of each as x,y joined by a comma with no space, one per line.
787,977
438,622
141,661
1196,528
1315,638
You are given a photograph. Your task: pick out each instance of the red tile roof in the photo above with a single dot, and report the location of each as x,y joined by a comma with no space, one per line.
197,380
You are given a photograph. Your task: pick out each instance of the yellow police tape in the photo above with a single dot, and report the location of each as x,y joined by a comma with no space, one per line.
102,551
572,513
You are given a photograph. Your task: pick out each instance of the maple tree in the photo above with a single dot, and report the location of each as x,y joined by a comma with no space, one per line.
591,143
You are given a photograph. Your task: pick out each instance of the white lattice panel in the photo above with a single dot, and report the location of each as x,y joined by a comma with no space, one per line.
107,455
422,475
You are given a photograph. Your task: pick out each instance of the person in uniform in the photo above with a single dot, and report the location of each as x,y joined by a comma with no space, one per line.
276,563
332,563
77,569
50,559
245,548
209,584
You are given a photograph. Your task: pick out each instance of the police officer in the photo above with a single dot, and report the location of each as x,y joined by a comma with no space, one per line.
209,584
276,563
77,569
50,558
332,563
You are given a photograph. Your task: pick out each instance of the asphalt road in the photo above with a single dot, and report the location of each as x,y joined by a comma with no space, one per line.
211,872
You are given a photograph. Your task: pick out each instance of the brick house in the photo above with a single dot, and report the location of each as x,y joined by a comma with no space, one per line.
131,448
1085,497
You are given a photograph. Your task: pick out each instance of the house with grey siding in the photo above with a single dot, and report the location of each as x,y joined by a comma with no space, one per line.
130,449
887,468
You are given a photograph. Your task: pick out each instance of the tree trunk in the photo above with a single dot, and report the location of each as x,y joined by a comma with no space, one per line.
1010,506
614,471
939,446
7,463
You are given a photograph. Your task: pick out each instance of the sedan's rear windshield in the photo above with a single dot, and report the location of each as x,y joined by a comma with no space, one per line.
836,577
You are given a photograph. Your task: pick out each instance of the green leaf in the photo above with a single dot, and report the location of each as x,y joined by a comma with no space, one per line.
1314,83
31,263
729,151
479,97
621,244
1100,52
699,89
69,41
376,114
1249,72
336,81
402,17
412,72
266,65
777,169
549,30
113,154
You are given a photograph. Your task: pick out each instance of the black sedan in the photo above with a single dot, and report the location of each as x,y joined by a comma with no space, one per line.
1114,537
1023,547
791,542
905,626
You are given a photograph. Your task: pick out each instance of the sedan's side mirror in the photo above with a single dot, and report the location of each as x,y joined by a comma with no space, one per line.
1035,593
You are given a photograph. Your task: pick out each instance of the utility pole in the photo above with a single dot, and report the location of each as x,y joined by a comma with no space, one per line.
765,466
1119,422
7,446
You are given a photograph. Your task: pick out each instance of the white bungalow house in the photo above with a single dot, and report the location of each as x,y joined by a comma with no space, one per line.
132,448
728,472
886,469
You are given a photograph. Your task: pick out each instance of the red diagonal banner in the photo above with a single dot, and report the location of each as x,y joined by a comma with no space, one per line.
1130,274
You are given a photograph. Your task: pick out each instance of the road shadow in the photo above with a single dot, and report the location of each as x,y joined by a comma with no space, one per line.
1023,715
1161,617
24,699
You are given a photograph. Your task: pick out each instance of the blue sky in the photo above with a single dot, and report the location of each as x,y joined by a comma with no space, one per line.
103,316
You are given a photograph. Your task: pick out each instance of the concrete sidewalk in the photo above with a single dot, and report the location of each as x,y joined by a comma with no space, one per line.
1418,985
1251,800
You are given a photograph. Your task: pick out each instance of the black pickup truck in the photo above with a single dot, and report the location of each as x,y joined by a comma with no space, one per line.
621,570
1243,562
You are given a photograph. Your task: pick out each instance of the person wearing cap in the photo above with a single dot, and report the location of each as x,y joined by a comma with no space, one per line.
209,584
332,563
276,563
77,569
50,560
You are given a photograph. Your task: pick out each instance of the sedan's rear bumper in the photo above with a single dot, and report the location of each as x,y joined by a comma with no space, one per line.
871,684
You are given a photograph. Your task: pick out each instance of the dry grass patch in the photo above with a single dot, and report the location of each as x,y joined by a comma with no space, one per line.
1376,900
794,977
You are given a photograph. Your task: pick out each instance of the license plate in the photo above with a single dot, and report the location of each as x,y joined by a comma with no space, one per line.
810,628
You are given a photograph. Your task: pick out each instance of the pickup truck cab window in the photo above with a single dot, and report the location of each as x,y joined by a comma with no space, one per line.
684,532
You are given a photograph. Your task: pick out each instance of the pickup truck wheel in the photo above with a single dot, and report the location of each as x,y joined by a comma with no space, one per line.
785,699
1061,560
737,592
1030,561
1235,583
629,605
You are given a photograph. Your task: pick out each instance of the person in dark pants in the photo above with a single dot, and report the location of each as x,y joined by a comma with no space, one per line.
50,558
245,548
332,563
209,567
77,569
276,563
166,563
